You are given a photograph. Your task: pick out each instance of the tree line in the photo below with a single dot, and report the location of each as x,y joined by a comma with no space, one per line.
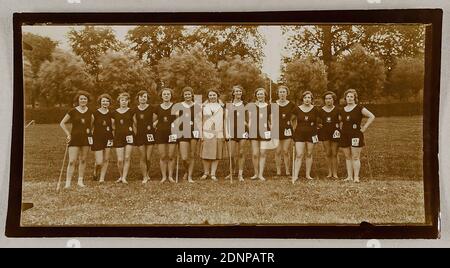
385,63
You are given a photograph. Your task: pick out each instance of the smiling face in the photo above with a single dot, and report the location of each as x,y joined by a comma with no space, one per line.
166,95
350,98
237,93
213,97
143,98
282,93
307,99
83,100
261,95
187,96
329,101
104,102
123,102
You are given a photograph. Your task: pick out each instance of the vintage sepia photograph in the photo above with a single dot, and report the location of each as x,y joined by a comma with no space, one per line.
223,124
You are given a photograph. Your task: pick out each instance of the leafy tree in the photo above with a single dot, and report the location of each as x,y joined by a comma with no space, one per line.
189,68
91,43
323,41
358,70
240,71
220,41
154,42
124,72
28,82
389,42
41,51
305,74
407,78
61,78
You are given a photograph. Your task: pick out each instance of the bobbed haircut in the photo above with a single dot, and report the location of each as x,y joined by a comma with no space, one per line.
307,92
165,89
187,89
104,96
284,87
260,89
123,95
233,90
354,92
142,93
329,92
76,98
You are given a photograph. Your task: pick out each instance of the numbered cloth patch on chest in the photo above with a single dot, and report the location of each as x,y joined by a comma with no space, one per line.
130,139
355,142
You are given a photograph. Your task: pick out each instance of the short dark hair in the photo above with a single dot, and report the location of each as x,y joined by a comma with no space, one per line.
165,89
307,92
233,90
141,93
285,87
259,89
106,96
79,94
355,93
123,95
329,92
187,89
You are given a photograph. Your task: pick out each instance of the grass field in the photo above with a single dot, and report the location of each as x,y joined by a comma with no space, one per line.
391,190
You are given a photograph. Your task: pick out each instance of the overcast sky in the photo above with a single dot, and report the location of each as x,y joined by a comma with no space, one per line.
272,50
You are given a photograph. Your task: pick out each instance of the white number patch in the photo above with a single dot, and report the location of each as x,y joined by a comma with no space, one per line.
288,132
336,134
129,139
150,138
90,140
196,134
110,143
315,139
173,138
245,135
267,135
355,142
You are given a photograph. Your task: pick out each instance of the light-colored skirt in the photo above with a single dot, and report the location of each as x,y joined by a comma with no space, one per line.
212,149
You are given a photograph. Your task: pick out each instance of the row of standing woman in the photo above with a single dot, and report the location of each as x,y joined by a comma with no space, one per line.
215,128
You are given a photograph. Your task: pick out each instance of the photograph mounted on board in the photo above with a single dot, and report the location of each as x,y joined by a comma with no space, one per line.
223,124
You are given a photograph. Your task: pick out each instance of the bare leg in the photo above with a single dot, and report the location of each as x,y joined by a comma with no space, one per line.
206,168
172,160
278,159
73,157
127,163
262,164
309,159
143,162
120,152
82,165
185,157
98,164
232,146
348,163
149,151
214,165
106,155
241,159
255,157
286,155
334,160
356,153
163,154
299,153
192,159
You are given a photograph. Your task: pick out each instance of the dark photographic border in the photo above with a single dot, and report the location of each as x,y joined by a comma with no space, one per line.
430,229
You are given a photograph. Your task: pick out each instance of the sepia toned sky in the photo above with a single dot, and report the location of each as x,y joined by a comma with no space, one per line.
273,49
